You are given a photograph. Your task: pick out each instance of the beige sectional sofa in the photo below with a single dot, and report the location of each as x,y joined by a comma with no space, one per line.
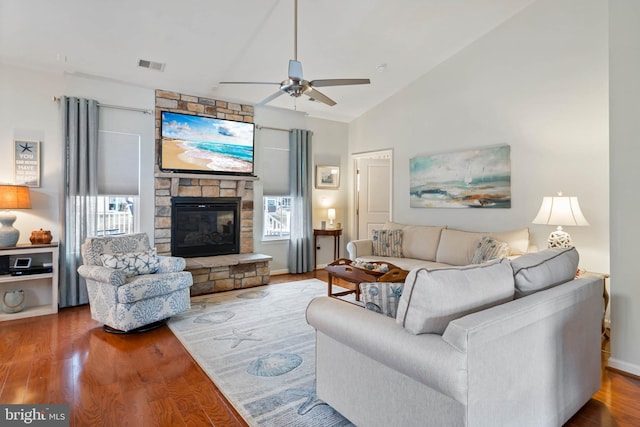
504,343
437,246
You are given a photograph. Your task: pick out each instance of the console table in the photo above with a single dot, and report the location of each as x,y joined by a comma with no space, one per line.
335,232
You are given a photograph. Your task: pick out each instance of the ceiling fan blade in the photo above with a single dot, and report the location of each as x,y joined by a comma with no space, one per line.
319,96
270,98
295,70
249,83
339,82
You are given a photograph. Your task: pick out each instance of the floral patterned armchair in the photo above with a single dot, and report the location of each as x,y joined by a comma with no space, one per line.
131,288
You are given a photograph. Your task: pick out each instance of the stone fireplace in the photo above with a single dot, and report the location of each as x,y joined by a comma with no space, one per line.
211,273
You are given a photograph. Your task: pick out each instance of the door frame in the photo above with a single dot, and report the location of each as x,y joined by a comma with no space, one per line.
378,154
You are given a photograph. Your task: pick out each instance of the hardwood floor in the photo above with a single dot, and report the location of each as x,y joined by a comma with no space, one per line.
150,380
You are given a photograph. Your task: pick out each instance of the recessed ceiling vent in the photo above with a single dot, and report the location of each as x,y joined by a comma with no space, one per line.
152,65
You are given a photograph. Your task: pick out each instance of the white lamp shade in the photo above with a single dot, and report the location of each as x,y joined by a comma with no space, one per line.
560,210
331,214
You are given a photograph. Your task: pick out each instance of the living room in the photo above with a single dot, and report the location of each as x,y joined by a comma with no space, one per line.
553,82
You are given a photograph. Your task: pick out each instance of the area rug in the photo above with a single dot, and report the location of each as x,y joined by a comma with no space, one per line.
258,349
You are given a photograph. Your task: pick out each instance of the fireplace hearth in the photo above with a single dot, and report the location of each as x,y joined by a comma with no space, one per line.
205,226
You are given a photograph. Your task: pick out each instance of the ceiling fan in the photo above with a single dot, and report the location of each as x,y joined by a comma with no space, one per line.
296,85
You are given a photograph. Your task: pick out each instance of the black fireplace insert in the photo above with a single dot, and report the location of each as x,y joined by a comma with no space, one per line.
205,226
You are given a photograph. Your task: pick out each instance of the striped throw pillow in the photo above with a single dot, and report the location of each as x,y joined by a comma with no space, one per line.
387,243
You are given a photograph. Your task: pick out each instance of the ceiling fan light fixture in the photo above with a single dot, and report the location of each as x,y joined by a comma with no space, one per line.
296,85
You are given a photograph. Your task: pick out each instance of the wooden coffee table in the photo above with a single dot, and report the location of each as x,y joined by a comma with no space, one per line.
342,269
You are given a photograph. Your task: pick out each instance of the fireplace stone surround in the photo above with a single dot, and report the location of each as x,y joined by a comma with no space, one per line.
210,273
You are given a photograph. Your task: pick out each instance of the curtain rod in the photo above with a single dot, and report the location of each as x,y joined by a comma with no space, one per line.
116,107
270,128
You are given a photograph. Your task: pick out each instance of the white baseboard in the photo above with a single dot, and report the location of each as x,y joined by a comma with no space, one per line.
286,270
623,366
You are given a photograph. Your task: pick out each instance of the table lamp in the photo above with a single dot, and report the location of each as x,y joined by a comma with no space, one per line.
331,214
560,210
11,197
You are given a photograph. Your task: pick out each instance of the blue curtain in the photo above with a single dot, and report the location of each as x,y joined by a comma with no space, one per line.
80,127
301,240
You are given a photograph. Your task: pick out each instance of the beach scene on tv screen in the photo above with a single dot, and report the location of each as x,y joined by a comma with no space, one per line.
206,144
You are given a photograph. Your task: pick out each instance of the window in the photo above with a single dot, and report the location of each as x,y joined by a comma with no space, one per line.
276,217
115,215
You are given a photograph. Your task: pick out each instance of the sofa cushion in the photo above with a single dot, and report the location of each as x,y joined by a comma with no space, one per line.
489,249
457,247
133,263
381,297
421,241
387,243
536,271
432,298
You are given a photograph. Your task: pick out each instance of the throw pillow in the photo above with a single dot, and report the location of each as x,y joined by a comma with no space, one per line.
432,298
387,243
381,297
133,263
536,271
489,249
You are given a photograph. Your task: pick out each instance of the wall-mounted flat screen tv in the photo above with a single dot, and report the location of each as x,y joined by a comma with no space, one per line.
196,144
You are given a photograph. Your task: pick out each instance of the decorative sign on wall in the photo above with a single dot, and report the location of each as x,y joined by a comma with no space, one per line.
27,163
479,178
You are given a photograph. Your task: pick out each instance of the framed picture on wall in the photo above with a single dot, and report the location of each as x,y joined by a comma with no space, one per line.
27,163
328,177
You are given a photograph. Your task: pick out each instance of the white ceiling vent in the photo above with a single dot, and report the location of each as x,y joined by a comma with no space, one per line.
158,66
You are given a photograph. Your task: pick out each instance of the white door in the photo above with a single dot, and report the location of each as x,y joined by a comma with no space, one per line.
373,194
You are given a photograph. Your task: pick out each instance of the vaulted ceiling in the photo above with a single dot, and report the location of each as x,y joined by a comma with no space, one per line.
204,42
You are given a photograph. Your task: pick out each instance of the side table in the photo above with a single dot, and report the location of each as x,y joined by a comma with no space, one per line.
336,233
605,294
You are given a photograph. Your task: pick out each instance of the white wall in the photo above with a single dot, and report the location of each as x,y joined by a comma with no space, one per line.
539,83
624,33
28,112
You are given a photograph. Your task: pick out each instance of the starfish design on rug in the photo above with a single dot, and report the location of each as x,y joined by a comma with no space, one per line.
236,337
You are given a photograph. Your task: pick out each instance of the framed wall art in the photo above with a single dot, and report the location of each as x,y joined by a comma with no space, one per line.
27,163
479,178
328,177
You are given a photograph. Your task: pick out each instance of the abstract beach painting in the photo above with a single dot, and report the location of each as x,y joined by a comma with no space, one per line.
478,178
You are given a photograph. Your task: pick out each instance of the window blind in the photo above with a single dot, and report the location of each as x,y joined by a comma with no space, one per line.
275,163
118,163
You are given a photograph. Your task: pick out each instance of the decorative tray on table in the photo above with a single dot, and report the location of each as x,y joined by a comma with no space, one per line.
381,271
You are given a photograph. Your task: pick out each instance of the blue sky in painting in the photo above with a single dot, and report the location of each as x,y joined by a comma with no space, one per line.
206,129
